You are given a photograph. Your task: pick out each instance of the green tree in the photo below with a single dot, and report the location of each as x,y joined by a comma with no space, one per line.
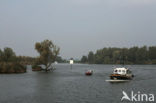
7,55
132,54
116,56
152,52
107,60
59,59
99,57
141,55
48,53
84,59
91,57
9,62
1,55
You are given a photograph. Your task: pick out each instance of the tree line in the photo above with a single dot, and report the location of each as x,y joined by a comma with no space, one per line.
133,55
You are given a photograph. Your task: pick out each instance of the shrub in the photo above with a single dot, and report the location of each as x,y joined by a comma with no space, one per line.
6,67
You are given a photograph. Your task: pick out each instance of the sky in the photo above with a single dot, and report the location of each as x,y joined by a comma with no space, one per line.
76,26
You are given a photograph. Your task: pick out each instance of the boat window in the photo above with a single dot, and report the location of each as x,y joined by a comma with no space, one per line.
116,71
119,70
123,71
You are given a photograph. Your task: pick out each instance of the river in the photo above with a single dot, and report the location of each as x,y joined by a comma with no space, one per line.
66,85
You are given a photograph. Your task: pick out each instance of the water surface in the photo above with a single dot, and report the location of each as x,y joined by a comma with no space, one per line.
66,85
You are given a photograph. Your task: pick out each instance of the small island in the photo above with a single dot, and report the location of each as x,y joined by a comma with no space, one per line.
9,62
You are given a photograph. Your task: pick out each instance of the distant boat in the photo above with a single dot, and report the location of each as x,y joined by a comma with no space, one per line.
121,74
89,72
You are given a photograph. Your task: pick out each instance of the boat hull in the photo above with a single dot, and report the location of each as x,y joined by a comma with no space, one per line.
88,73
120,77
117,81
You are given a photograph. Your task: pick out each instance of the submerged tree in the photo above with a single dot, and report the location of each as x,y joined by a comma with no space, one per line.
48,53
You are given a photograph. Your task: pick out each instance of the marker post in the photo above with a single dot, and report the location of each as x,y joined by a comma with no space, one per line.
71,63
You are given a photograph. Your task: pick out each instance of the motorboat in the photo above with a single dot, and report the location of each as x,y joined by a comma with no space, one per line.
89,72
121,74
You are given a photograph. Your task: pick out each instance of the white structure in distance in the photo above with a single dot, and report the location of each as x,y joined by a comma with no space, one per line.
71,61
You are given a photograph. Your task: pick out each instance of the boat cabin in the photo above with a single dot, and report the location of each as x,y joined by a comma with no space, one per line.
122,71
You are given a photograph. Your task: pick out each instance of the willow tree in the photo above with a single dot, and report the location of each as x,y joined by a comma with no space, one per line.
48,53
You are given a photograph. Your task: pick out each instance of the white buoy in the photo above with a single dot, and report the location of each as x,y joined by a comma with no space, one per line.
71,62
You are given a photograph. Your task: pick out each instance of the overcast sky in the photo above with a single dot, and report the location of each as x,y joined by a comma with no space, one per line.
76,26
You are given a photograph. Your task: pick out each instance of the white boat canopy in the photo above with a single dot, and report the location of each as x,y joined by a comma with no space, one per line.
122,71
